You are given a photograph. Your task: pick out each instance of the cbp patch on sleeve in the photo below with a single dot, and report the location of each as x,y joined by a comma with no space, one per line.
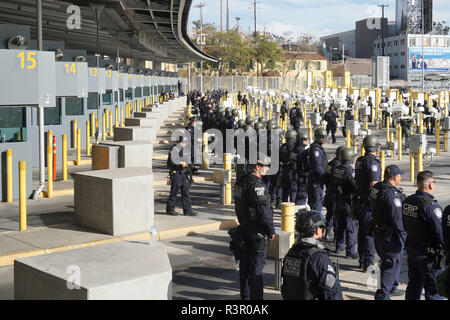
330,280
374,168
438,213
398,203
317,154
330,269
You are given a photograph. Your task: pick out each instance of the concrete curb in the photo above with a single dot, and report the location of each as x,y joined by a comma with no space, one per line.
8,259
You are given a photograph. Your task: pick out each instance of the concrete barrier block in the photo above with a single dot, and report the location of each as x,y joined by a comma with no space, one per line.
105,157
116,201
118,271
154,114
134,134
133,153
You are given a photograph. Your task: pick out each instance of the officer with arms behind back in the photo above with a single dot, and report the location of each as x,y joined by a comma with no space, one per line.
367,174
386,203
422,218
255,215
317,176
343,180
307,272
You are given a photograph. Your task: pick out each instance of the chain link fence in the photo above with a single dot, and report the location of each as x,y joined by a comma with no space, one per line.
241,83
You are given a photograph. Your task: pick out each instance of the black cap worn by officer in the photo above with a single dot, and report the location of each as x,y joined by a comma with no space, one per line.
180,177
255,216
307,272
422,218
386,202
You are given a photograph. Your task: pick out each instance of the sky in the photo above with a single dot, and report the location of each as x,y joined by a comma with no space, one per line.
294,17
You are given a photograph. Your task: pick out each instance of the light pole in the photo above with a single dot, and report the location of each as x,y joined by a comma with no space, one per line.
200,6
423,56
237,23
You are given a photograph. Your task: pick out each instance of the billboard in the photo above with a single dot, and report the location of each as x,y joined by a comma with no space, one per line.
436,60
409,16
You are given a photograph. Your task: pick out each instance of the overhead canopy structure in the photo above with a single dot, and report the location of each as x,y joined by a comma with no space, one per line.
146,29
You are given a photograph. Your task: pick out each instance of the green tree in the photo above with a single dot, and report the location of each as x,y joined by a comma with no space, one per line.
441,27
230,48
265,52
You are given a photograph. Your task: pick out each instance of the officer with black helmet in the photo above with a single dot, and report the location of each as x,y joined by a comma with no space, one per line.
386,202
250,121
307,272
241,124
302,168
317,176
422,218
331,192
288,159
343,180
252,203
245,102
296,116
180,179
193,122
367,174
330,117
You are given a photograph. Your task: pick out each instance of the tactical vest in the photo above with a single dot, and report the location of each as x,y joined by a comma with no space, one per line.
244,212
378,206
361,177
288,156
417,228
340,183
294,273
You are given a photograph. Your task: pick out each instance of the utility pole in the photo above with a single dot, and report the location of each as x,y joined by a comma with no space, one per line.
228,17
237,23
221,15
423,56
200,6
254,14
343,55
382,6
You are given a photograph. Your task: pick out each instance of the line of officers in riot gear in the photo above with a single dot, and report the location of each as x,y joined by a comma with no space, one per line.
363,208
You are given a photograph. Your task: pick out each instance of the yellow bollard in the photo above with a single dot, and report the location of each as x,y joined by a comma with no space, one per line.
411,167
88,139
400,146
22,196
50,172
117,119
227,166
288,220
107,117
438,143
74,133
64,157
205,151
110,124
78,147
382,164
445,141
419,160
9,176
93,124
388,121
121,118
391,144
50,138
309,129
363,152
103,127
421,123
